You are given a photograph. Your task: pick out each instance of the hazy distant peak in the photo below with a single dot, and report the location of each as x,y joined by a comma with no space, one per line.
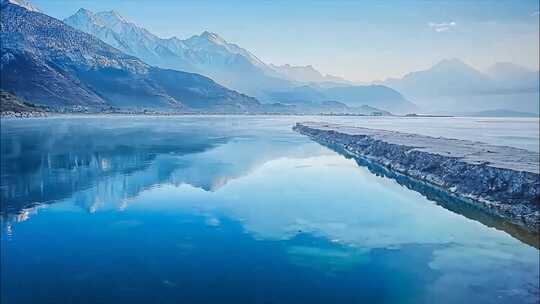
453,60
306,73
213,43
215,38
112,15
84,12
452,63
207,39
85,15
512,74
23,3
112,18
507,67
174,43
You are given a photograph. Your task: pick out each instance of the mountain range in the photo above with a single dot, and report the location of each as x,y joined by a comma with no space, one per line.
102,60
454,85
308,74
47,62
379,96
231,65
207,53
23,3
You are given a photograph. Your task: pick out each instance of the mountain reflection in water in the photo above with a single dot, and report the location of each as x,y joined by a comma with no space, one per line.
186,199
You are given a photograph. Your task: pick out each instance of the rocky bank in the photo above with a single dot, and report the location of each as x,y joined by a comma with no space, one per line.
501,180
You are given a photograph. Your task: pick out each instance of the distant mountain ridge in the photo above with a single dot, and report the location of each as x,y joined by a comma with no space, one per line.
229,64
447,77
378,96
52,64
307,74
49,63
511,76
452,84
207,53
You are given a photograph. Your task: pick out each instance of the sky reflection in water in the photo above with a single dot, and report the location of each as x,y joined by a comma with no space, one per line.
221,209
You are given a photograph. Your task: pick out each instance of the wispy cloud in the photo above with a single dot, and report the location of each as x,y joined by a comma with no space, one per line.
442,27
535,13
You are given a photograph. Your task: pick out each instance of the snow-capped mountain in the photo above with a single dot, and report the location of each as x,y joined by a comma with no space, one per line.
48,62
207,53
453,85
23,3
211,43
115,30
225,62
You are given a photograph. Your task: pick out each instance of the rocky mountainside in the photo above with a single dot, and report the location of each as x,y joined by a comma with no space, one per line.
116,31
10,103
47,62
23,3
207,53
231,65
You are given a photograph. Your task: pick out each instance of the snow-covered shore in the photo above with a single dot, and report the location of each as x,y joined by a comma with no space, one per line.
501,180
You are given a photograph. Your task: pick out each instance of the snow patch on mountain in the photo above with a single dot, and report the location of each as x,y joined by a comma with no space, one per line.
23,3
50,63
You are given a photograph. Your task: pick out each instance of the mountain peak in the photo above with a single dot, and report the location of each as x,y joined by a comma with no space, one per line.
451,62
84,12
83,18
213,37
37,42
116,14
112,16
454,65
23,3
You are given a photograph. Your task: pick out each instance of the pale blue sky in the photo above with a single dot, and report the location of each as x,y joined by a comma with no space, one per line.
359,40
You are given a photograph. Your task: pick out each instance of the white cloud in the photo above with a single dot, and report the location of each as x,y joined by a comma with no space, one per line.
535,13
442,27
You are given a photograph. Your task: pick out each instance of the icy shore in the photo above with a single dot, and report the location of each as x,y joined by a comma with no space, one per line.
503,181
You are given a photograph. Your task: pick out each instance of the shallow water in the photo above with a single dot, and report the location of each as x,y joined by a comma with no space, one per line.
239,209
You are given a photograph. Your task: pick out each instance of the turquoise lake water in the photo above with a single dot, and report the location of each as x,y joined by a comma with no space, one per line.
239,209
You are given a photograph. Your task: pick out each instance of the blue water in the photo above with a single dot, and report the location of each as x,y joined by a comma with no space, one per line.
202,209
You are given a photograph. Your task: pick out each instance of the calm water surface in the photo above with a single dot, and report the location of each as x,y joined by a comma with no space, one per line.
241,209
